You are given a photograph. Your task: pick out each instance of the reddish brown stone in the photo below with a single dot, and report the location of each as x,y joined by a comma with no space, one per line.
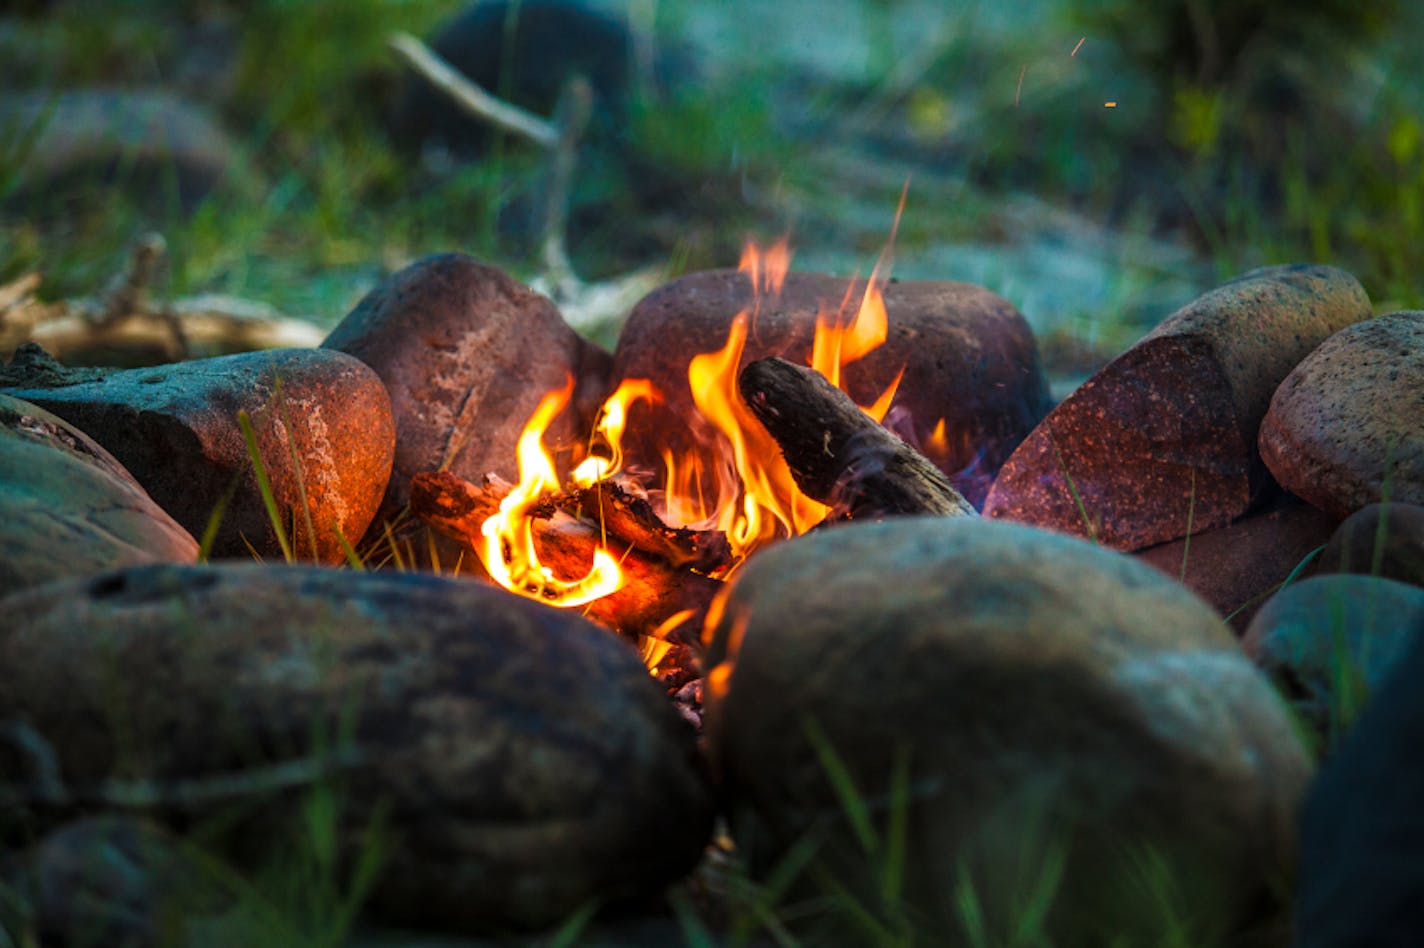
466,353
1236,567
969,358
322,423
1385,540
1348,424
1167,431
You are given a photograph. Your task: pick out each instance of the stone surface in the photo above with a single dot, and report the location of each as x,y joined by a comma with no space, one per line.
968,357
1362,835
1385,540
1168,429
467,353
1330,640
1236,567
1348,423
521,759
152,140
68,509
322,421
1039,691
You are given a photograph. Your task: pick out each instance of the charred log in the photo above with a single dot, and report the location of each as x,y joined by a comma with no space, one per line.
654,592
838,454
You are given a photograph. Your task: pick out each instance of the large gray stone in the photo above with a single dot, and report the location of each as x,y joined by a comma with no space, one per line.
1346,427
68,508
1041,696
520,761
322,423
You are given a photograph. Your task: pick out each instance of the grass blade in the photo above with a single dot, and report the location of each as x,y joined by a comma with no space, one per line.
264,485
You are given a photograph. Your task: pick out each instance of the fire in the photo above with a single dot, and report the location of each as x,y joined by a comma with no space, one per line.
741,486
509,553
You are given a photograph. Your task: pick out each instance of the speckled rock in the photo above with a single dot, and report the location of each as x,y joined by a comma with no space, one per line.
1385,540
322,422
1166,432
68,509
1238,566
1362,835
1035,692
969,358
467,353
1350,418
1330,640
521,760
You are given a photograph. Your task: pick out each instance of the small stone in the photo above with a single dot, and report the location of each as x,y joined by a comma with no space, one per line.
1362,833
1385,540
323,427
1330,640
467,353
1166,432
1039,695
1347,426
520,761
969,358
68,508
1238,566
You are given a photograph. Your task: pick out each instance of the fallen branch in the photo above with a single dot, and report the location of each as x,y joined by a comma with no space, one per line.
124,325
654,590
838,454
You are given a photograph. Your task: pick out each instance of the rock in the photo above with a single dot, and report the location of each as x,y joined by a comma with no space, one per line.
1236,567
1347,425
323,426
1168,428
1331,640
151,142
111,881
1040,697
68,509
521,761
525,52
1362,834
1385,540
467,353
969,359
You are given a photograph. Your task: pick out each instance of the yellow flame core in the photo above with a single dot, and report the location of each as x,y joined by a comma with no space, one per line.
509,553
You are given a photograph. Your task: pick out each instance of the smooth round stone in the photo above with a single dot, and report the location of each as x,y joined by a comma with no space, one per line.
519,761
1346,427
1385,540
1330,640
68,508
1040,697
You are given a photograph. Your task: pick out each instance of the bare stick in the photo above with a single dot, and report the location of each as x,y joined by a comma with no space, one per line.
470,96
837,453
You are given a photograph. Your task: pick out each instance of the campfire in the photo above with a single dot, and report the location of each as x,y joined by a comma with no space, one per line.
646,550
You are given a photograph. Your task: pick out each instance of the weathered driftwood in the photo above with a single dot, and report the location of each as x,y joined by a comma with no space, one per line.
654,591
838,454
125,325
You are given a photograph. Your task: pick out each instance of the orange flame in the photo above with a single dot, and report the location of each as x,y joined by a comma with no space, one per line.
742,486
509,553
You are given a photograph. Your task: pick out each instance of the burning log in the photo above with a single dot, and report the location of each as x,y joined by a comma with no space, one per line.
655,589
838,454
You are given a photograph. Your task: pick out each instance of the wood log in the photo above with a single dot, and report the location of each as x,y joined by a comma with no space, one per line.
839,455
654,590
